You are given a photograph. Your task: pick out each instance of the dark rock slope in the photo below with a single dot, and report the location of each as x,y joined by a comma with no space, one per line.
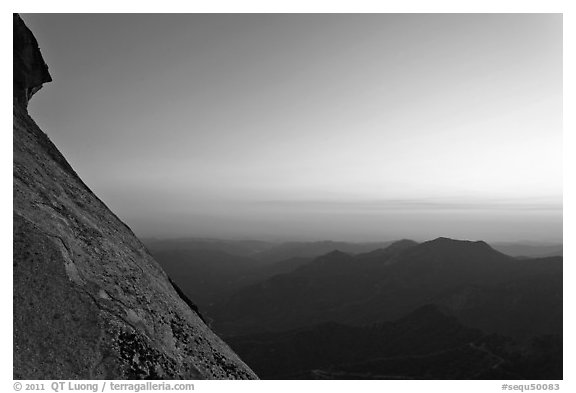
89,300
30,71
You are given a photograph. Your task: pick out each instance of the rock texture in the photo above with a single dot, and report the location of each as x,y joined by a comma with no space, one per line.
89,300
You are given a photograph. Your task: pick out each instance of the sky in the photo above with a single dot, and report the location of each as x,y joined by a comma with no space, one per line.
309,126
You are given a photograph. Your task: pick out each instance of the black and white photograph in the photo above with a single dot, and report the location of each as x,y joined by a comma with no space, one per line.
287,196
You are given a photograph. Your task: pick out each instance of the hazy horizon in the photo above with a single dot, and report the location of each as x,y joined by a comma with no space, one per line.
355,127
286,240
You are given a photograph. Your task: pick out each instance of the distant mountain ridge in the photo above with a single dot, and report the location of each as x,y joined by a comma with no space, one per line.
442,309
529,249
459,276
264,250
208,269
467,279
199,267
275,250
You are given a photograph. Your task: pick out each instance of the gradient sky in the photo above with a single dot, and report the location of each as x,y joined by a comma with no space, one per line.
344,127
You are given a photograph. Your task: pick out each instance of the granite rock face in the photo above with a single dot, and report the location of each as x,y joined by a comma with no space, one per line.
89,300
